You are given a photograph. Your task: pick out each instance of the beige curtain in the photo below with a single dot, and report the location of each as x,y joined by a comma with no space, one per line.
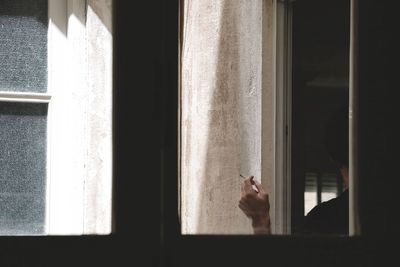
221,112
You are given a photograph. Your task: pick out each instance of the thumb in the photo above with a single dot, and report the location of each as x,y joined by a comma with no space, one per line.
259,186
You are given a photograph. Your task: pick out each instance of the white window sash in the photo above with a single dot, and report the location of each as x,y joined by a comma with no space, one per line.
79,173
24,97
281,193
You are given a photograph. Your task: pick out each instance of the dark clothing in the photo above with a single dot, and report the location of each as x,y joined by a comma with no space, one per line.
330,217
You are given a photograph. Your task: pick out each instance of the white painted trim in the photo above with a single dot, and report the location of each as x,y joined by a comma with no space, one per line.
288,117
288,120
57,43
24,97
80,118
282,107
79,125
67,138
267,115
98,178
354,223
179,117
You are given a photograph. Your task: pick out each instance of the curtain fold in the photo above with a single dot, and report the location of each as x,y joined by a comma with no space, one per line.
221,112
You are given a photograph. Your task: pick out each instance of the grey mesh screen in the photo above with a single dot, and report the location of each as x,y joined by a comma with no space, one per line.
23,129
23,45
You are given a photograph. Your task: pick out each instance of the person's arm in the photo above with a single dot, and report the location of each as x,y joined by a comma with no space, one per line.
255,205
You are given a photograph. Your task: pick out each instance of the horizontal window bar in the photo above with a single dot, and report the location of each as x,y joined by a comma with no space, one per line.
24,97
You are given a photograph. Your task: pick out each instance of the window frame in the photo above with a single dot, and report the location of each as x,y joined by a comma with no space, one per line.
276,113
187,247
283,125
153,237
75,204
174,249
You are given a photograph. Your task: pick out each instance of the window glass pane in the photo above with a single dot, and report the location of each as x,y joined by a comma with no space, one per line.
330,186
320,75
23,45
310,194
23,167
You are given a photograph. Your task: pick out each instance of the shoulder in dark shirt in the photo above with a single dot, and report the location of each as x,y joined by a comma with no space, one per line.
330,217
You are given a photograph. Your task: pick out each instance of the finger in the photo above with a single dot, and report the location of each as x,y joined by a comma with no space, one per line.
253,185
246,190
242,191
241,202
247,185
255,189
259,186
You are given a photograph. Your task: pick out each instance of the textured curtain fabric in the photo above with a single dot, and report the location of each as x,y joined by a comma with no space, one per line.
221,112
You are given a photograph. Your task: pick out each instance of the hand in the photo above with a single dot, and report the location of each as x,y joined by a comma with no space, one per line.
255,205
